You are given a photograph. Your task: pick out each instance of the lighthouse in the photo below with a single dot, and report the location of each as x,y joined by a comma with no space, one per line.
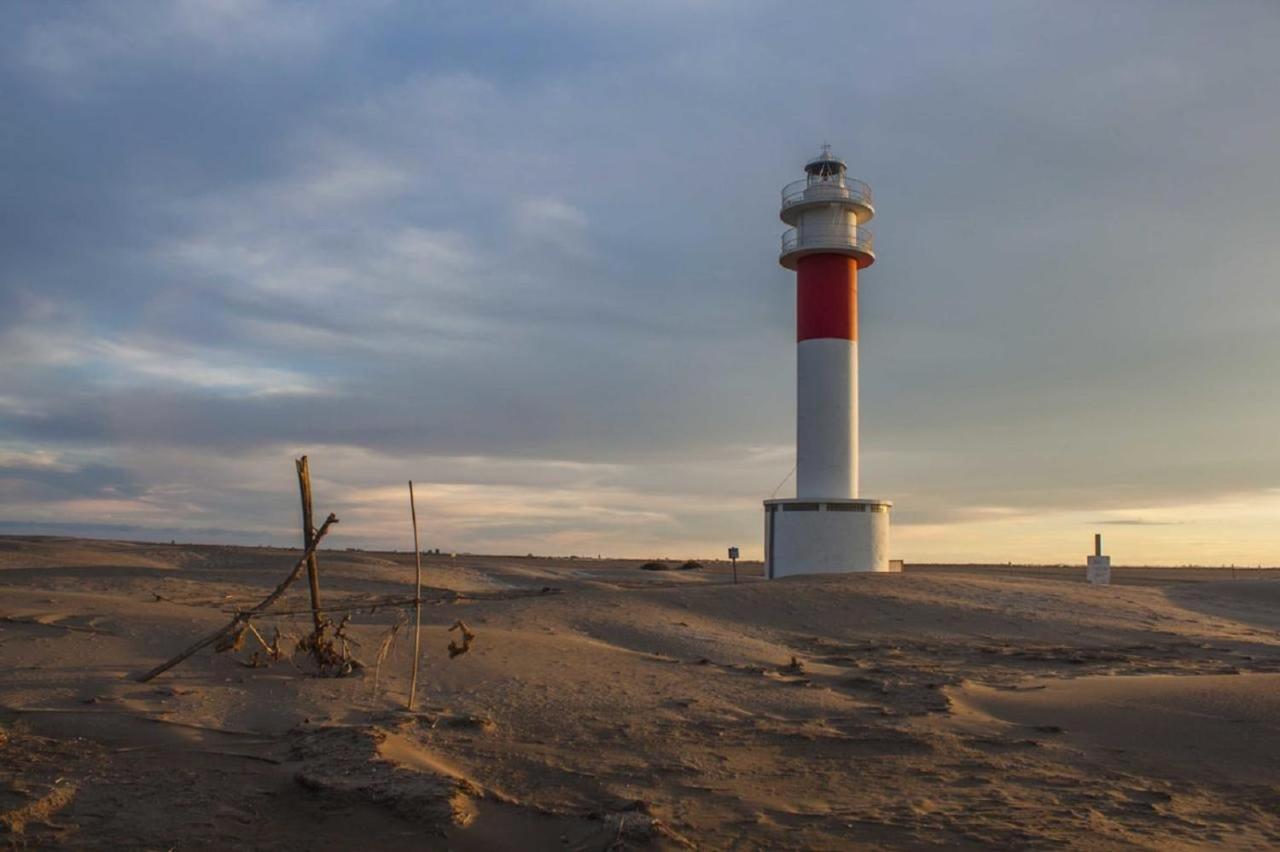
828,527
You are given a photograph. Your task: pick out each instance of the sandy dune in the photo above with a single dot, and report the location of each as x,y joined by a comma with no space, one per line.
607,707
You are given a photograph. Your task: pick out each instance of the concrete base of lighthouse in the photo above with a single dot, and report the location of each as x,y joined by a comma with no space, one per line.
812,536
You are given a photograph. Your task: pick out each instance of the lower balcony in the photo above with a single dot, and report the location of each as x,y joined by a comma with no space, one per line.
857,243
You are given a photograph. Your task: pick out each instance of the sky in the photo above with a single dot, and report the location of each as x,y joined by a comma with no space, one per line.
525,254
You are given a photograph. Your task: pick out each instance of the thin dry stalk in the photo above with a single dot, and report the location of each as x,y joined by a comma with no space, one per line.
274,652
388,642
417,597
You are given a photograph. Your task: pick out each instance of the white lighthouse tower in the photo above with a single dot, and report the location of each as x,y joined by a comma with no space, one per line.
827,528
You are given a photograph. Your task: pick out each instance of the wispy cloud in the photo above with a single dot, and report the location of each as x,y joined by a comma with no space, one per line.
1134,522
76,45
211,369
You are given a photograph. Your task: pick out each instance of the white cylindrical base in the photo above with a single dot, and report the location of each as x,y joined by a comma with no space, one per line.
825,536
827,418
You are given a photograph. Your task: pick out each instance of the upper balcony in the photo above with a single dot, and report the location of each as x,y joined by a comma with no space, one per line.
836,189
857,243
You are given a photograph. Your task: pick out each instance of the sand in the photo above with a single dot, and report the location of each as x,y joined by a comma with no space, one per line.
603,706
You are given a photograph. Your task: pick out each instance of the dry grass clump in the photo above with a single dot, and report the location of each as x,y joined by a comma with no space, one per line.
687,565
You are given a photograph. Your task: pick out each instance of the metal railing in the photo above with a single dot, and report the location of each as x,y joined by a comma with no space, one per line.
856,239
834,188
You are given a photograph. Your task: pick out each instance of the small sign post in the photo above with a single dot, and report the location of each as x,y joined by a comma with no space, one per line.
733,557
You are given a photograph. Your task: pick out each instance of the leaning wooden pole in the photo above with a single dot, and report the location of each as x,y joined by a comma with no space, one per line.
417,599
308,538
246,615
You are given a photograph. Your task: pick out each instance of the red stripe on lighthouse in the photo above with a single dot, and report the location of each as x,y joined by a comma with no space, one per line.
826,297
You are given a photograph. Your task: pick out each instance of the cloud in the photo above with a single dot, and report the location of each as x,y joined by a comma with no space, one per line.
466,502
136,363
76,45
532,257
552,222
34,460
1136,522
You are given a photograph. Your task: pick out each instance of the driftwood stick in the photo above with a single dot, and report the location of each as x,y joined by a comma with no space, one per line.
245,616
417,605
446,596
308,536
381,603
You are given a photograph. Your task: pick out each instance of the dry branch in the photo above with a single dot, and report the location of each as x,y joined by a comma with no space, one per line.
242,617
273,651
308,537
332,656
371,606
446,596
456,650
